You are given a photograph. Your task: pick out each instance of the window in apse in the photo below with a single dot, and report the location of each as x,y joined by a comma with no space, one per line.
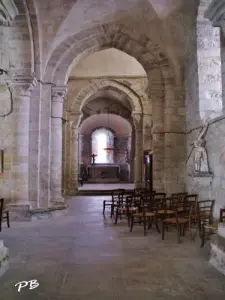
100,140
101,144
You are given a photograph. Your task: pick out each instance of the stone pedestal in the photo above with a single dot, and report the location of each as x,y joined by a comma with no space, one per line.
217,257
4,258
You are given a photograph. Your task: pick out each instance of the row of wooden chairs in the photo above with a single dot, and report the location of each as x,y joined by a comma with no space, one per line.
142,207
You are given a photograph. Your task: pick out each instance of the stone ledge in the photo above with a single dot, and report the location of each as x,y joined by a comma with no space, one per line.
217,258
201,175
4,258
24,213
51,212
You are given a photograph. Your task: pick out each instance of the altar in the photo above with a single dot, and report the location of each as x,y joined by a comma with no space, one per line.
103,172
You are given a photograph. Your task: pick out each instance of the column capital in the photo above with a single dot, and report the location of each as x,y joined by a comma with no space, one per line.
73,117
216,12
137,117
58,93
21,85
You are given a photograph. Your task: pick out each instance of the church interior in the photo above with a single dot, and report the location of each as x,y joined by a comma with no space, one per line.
112,154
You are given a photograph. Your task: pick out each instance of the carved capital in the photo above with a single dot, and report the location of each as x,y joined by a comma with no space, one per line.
73,117
58,93
137,118
21,86
8,11
216,12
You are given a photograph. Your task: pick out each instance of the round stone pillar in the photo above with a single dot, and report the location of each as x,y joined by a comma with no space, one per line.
58,94
73,166
138,159
21,89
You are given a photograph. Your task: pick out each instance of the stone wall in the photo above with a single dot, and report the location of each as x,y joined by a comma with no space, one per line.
203,39
121,143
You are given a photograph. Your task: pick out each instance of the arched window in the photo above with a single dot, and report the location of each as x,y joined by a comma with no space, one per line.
101,139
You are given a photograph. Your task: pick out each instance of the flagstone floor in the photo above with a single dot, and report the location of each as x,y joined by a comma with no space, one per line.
84,256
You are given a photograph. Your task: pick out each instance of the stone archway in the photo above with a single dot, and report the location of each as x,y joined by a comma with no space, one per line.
75,109
165,92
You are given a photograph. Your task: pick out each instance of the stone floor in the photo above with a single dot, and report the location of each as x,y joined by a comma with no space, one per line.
83,256
107,186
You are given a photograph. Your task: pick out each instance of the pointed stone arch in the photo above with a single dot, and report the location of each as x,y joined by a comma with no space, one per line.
80,45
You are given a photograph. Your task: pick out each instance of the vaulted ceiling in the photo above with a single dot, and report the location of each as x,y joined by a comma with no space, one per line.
161,20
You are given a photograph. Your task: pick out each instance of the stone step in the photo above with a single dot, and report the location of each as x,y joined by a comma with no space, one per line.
95,192
217,257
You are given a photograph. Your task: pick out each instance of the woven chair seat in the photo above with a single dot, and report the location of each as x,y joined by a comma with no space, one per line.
178,220
211,227
147,214
202,216
165,212
129,208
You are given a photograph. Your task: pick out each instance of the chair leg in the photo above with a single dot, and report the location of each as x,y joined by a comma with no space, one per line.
178,233
157,225
116,218
202,236
112,211
150,221
7,218
0,224
132,223
104,202
145,229
163,230
128,219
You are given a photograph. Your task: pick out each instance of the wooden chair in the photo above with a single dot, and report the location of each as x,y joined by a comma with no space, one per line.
113,201
193,198
148,209
180,219
144,215
125,205
209,229
4,214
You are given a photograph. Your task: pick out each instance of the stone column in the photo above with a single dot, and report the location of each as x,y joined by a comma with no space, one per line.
21,89
58,94
138,123
147,132
175,137
74,119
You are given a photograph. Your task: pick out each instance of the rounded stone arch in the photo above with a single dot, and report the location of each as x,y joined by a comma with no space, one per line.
36,36
93,88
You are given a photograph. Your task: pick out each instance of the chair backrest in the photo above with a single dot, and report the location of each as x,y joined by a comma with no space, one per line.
159,196
115,194
192,198
1,206
122,195
185,210
222,215
205,207
179,196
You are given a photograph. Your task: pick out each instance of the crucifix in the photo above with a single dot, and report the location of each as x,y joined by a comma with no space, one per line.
93,158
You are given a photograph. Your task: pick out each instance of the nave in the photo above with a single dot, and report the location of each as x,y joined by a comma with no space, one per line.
85,256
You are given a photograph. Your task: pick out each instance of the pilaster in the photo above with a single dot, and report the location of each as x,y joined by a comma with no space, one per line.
138,160
21,89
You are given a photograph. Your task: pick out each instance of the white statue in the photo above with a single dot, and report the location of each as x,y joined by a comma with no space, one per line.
200,155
